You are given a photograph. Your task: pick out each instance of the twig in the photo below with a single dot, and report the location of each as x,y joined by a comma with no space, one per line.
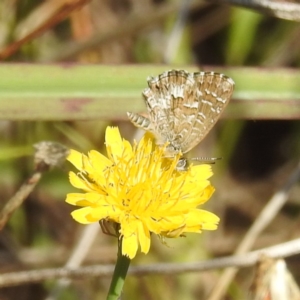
15,201
47,155
282,250
263,220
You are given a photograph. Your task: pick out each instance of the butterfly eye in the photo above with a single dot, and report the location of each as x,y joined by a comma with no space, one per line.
182,164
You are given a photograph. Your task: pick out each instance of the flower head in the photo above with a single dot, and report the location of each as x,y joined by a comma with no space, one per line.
136,187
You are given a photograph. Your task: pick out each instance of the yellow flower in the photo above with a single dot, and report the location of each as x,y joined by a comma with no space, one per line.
136,187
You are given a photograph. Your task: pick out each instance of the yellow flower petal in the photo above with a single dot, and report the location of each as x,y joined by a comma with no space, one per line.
115,146
201,219
82,215
78,182
143,237
76,198
76,158
130,246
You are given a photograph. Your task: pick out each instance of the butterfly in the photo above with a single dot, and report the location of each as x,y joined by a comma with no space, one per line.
183,107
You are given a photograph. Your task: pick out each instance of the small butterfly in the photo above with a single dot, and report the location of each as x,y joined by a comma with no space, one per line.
183,107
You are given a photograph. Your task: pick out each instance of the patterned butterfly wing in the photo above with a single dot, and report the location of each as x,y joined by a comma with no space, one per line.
212,92
165,100
183,107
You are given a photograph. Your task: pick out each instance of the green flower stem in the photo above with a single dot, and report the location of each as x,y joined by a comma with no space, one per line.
119,275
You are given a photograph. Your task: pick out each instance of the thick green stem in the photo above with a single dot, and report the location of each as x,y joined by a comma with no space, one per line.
119,275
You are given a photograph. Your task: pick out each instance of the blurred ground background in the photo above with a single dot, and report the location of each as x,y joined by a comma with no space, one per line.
258,155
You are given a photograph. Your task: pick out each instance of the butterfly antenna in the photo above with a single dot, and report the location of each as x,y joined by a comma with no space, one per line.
206,160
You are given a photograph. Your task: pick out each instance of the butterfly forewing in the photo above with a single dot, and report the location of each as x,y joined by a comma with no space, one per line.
165,99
